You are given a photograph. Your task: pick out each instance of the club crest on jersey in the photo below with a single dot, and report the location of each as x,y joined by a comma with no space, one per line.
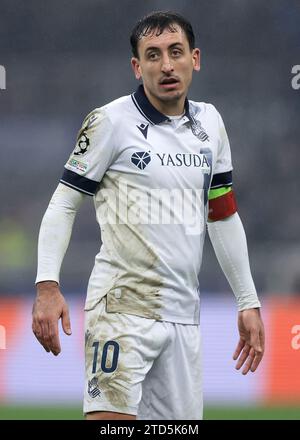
141,159
199,131
143,129
93,389
82,144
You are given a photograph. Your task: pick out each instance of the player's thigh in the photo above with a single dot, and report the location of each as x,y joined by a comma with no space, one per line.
172,389
119,352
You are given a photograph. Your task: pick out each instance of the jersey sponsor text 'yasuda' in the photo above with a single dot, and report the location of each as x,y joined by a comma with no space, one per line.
184,159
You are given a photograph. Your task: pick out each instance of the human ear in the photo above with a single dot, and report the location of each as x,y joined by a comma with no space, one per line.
196,59
136,67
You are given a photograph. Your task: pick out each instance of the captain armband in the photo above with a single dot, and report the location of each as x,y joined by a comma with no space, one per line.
221,203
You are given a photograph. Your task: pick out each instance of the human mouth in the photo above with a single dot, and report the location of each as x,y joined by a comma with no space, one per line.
169,83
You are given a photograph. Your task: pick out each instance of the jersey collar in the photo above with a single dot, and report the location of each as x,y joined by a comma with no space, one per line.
145,107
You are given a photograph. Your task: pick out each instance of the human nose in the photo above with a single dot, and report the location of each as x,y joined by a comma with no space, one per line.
167,66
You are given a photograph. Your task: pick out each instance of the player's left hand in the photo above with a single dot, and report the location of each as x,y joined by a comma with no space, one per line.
251,346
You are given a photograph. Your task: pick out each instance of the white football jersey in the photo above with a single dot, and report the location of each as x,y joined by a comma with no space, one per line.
150,178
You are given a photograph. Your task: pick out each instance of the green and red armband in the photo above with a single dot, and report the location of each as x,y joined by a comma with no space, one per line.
221,203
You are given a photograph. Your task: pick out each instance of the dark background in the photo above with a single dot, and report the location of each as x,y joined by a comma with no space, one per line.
64,58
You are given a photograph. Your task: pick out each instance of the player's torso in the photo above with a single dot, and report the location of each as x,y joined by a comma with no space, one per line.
151,206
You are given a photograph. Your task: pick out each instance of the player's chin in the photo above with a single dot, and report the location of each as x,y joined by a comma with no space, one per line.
170,95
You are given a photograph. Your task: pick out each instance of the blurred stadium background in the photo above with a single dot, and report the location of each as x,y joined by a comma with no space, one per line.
64,58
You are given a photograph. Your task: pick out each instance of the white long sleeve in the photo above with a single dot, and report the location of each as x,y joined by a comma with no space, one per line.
55,231
230,245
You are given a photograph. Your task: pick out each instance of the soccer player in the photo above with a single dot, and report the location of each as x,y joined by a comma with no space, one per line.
159,168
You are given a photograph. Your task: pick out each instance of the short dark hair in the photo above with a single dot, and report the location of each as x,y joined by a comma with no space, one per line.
160,21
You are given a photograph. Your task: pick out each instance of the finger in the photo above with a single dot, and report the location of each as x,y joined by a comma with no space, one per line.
54,344
243,356
44,338
65,321
37,330
249,361
238,349
44,345
256,362
47,333
258,355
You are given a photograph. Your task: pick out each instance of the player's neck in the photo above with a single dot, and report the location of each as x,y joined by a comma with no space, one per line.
171,108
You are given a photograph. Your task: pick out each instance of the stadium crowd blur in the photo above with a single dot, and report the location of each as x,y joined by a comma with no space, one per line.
63,59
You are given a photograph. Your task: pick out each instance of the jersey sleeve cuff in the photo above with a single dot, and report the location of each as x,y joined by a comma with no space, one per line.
80,183
46,277
250,302
221,179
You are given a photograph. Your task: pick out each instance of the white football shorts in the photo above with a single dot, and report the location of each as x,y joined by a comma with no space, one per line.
140,366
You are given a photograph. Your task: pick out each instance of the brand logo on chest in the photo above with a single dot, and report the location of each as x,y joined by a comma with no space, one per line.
141,159
185,160
143,129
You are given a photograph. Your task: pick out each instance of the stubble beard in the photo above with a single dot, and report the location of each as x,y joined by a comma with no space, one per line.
168,98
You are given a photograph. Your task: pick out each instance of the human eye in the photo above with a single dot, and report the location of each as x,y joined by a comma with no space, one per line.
176,52
152,56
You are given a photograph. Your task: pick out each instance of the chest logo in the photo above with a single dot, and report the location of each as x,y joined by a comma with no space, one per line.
143,129
199,131
141,159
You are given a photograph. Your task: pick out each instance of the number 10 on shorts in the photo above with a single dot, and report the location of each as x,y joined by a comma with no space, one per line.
114,351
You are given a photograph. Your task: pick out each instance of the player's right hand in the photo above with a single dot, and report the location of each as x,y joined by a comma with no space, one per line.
48,308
